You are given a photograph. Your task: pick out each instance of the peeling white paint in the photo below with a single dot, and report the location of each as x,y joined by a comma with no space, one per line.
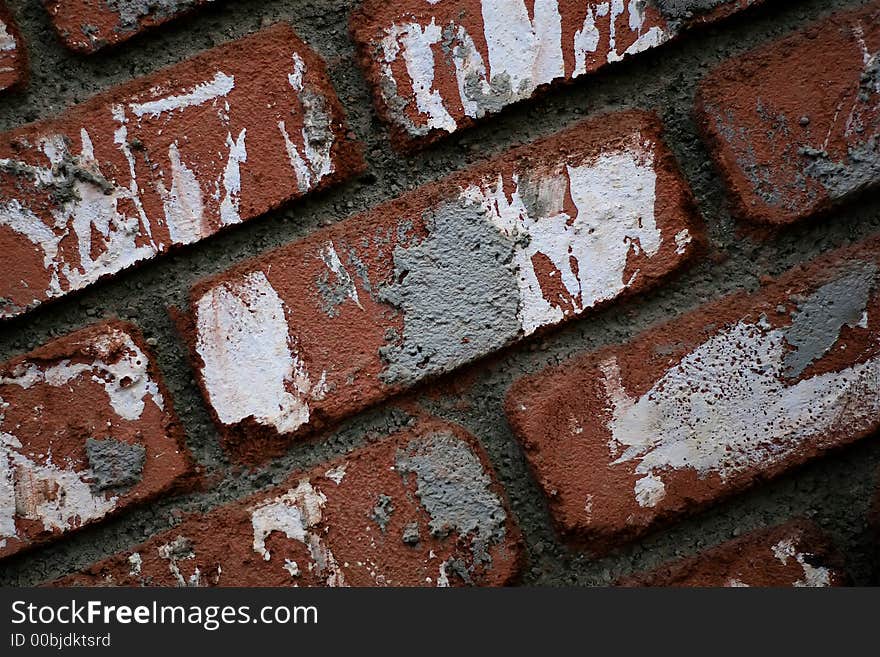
55,496
184,207
334,264
521,54
136,563
232,179
180,549
101,220
7,41
126,380
682,240
337,474
316,159
814,576
614,196
296,514
416,43
728,407
220,86
54,493
528,52
251,365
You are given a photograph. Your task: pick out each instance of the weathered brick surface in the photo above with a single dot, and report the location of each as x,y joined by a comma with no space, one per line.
320,329
795,126
89,25
636,435
437,67
418,508
796,554
87,429
13,56
164,161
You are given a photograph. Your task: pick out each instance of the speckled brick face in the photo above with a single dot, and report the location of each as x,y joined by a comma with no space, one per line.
437,67
795,126
796,554
634,436
165,161
87,429
418,508
89,25
418,287
13,59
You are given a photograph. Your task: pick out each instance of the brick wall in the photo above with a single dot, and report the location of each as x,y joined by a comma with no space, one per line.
471,293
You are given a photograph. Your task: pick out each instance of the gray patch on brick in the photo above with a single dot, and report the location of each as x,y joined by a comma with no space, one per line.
841,179
360,268
114,464
396,106
861,168
132,11
382,512
767,183
455,490
820,316
411,533
458,292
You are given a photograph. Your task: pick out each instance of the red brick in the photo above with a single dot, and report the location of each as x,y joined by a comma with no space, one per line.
796,554
164,161
87,430
89,25
320,329
13,56
428,62
634,436
418,508
795,126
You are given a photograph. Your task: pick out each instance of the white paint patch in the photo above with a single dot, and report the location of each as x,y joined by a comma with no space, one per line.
814,577
331,259
614,196
646,39
184,207
232,179
727,408
121,368
55,496
218,87
527,52
136,563
102,222
316,159
416,44
7,41
54,493
522,53
682,240
251,365
337,474
296,514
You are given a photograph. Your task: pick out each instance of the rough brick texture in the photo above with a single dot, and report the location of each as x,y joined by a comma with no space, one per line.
87,430
438,67
795,126
13,56
633,436
418,508
796,554
320,329
164,161
89,25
